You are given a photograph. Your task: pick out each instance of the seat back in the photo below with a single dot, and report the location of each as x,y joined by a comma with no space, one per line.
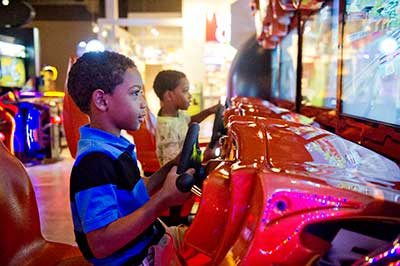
145,141
73,117
7,125
20,224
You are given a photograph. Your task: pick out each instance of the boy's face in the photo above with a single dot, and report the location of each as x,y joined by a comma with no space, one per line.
126,106
182,95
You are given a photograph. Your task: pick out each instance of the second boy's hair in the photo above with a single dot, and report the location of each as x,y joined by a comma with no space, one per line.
96,70
167,80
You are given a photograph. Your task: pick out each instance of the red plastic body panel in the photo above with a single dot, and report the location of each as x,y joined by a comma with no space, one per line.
257,107
216,203
274,179
307,5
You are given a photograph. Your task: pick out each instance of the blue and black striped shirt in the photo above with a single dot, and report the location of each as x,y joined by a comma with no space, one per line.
106,185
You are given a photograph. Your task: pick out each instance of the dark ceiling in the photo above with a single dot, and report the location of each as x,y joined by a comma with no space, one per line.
92,9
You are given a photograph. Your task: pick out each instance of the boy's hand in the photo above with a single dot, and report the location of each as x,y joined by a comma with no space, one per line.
214,108
176,160
209,154
169,190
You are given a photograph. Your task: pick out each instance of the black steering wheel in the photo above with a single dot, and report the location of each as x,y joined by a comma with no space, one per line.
190,158
218,127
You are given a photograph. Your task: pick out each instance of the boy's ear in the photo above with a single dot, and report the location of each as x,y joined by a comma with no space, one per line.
168,95
99,99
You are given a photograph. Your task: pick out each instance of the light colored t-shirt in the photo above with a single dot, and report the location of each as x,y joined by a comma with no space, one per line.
170,136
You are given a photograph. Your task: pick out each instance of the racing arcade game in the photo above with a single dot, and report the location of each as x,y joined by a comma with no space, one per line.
338,64
286,193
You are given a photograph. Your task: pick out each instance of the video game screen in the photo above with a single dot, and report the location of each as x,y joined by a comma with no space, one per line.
320,57
19,56
371,61
12,71
288,67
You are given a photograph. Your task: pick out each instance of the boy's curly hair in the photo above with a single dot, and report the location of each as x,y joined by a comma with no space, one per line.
167,80
96,70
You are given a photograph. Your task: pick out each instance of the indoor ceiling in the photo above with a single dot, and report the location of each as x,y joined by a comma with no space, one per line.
47,9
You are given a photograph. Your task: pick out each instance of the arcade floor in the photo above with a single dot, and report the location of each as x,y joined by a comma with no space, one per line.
51,185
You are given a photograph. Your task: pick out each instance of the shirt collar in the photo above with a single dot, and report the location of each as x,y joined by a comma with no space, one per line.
100,135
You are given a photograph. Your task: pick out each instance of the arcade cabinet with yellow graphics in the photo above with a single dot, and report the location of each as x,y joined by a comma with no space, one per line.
49,76
54,99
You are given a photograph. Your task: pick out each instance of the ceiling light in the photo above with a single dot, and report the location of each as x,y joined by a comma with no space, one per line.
155,32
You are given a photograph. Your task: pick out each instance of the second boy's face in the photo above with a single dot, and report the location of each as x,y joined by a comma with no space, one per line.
127,104
182,94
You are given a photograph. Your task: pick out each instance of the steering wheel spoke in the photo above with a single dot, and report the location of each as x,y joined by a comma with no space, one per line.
191,157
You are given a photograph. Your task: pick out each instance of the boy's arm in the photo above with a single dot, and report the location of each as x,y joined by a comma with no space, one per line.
155,181
108,239
204,114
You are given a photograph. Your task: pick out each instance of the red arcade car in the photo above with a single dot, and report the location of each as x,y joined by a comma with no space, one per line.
242,105
284,193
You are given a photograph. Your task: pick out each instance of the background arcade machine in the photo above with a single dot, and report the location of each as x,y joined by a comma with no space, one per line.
47,96
51,133
12,75
18,60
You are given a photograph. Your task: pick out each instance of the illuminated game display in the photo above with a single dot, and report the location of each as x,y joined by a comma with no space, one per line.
12,71
320,57
19,56
371,63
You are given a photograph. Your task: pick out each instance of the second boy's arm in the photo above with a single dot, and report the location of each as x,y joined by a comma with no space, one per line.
156,180
204,114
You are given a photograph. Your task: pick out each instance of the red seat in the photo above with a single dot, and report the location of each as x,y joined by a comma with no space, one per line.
21,240
145,141
73,117
7,125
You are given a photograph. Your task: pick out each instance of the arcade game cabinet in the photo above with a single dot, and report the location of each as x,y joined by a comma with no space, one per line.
28,136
